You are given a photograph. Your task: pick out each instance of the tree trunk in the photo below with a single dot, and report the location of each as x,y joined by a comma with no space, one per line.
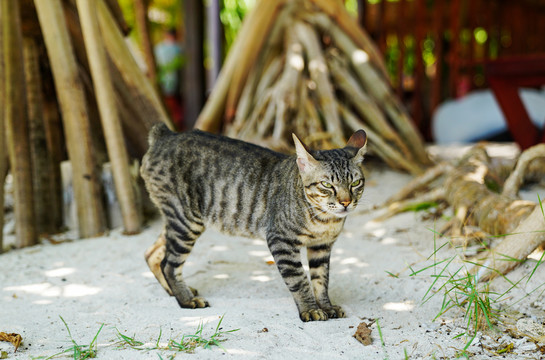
17,132
71,97
108,113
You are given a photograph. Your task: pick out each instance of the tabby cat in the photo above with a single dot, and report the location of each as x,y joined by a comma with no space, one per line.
198,179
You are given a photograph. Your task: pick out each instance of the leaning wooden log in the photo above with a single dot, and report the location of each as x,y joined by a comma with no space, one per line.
38,144
17,132
71,99
108,114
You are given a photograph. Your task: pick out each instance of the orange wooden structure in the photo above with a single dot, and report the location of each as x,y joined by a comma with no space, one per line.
438,49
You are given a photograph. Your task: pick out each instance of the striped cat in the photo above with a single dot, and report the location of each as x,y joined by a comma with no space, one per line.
198,180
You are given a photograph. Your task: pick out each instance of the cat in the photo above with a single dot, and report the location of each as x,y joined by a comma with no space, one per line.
199,180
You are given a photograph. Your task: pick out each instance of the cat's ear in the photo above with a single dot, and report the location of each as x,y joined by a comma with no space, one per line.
358,141
305,161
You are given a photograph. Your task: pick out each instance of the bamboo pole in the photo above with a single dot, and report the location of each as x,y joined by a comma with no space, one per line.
17,126
111,125
71,97
38,144
143,94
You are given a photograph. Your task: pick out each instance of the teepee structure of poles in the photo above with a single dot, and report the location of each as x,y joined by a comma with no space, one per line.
305,66
70,83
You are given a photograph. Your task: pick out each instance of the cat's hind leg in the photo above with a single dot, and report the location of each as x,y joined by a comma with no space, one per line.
181,232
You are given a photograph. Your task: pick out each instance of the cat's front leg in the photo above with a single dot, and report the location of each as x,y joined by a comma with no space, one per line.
288,260
318,262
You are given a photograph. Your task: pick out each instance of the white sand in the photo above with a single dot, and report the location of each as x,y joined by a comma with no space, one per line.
106,281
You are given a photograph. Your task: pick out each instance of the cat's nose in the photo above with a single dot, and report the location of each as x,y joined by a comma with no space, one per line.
345,203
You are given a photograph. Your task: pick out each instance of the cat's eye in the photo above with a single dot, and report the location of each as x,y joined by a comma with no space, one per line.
356,183
326,184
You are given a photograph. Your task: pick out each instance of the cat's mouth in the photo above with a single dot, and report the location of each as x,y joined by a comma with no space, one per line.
339,212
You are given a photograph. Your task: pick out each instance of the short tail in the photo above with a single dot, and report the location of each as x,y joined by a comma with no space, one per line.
157,131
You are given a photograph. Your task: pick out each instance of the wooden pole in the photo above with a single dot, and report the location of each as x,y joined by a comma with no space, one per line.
17,126
111,124
38,144
71,97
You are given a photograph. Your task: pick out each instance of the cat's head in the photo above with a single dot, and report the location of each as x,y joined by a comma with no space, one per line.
333,180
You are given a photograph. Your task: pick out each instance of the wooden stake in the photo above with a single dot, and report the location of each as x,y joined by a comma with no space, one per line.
91,217
17,124
108,114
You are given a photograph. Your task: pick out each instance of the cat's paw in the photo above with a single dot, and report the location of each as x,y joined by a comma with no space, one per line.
196,302
334,312
313,315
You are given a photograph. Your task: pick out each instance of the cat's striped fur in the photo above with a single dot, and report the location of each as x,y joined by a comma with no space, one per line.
198,180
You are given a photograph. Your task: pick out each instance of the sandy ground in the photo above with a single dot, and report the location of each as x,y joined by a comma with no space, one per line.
106,281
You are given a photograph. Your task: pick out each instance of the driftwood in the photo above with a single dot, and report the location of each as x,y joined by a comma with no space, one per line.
479,210
310,53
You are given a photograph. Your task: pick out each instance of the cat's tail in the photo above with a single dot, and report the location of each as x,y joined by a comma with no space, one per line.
158,131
